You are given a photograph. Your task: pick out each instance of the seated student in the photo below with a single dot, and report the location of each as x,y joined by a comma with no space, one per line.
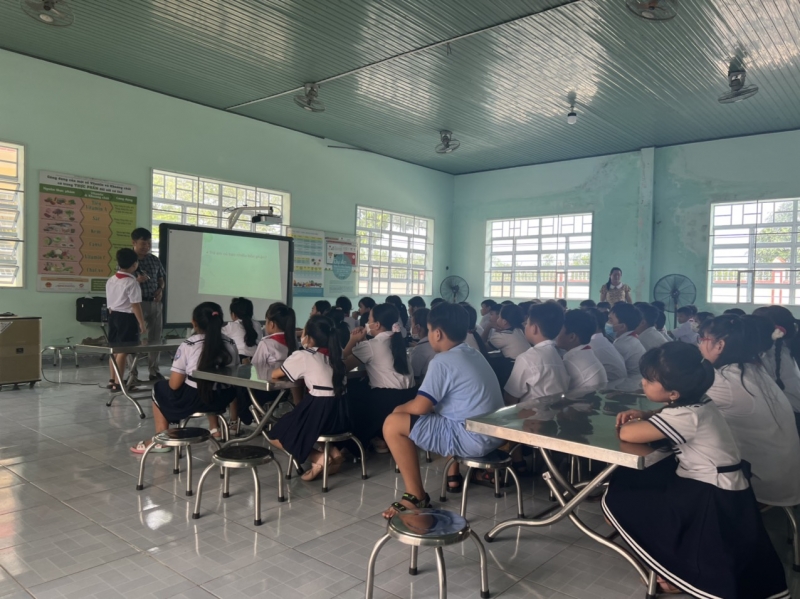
391,382
604,307
320,308
179,397
395,301
539,371
622,322
586,304
346,306
698,526
422,353
486,306
415,303
609,357
505,332
646,331
585,371
365,304
735,312
661,324
245,332
473,339
459,385
322,411
687,328
124,302
562,303
756,410
436,301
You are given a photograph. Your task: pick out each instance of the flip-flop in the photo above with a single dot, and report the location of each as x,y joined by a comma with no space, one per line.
141,447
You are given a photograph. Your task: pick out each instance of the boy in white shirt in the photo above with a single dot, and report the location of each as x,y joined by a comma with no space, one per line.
609,357
486,306
586,372
624,318
505,333
687,328
124,302
648,335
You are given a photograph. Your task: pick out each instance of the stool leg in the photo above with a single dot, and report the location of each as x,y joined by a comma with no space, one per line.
219,446
226,484
225,429
289,467
56,355
140,482
188,470
464,492
412,565
795,537
176,460
652,585
325,452
75,353
484,569
371,565
443,494
196,513
363,458
281,496
497,493
513,474
442,574
257,499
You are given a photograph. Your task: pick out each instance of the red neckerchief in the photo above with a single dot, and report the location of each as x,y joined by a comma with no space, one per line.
324,351
586,347
123,275
280,338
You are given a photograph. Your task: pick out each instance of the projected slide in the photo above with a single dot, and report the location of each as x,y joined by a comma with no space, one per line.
229,262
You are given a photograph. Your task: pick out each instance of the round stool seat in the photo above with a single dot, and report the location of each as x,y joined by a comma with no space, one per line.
334,438
242,456
177,437
428,527
495,459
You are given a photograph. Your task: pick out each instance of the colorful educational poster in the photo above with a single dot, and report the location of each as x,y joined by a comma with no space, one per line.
309,255
82,224
341,262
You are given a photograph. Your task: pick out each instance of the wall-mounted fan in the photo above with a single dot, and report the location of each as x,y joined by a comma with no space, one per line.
675,291
308,99
454,289
50,12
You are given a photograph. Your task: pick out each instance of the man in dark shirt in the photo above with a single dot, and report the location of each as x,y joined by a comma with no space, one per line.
152,279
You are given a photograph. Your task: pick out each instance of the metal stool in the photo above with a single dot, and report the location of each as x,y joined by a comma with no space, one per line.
327,440
58,353
177,438
220,417
793,537
428,528
497,460
241,456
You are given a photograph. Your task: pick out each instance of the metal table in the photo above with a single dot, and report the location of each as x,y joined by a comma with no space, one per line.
585,428
129,348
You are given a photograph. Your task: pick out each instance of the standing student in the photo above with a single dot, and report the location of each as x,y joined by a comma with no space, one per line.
506,333
610,358
646,331
346,306
179,397
422,353
459,385
124,302
622,322
151,277
687,328
585,371
698,525
245,332
615,290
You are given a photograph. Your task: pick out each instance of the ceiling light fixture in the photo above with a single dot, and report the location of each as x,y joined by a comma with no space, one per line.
572,117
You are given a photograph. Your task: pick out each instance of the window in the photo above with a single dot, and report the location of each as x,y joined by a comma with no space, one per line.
753,253
395,253
12,203
544,257
190,200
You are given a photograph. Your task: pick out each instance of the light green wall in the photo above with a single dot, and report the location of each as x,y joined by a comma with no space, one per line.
77,123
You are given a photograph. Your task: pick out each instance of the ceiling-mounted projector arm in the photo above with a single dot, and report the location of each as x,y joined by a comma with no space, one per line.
263,215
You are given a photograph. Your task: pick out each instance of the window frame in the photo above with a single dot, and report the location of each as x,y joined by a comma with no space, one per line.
507,286
16,237
368,282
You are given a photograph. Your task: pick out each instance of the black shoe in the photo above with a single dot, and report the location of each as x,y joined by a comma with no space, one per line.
157,377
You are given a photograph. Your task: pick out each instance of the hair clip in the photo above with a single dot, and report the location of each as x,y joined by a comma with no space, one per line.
215,313
778,333
396,328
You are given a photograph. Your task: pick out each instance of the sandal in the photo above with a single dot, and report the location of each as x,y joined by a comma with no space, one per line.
455,478
486,479
335,464
667,588
315,470
418,504
215,432
141,447
114,388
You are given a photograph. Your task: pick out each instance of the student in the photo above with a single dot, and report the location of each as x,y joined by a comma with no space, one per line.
422,353
245,332
661,323
342,330
506,333
701,317
660,305
622,322
179,397
698,526
346,306
365,304
585,371
756,410
687,329
486,306
615,290
401,309
539,371
473,339
459,385
604,307
646,331
124,302
605,351
436,301
323,410
415,303
320,308
391,381
562,303
586,304
735,312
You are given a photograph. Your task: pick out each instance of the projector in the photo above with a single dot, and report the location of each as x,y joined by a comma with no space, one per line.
267,219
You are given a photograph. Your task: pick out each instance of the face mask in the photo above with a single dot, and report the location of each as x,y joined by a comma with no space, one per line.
304,342
372,329
610,330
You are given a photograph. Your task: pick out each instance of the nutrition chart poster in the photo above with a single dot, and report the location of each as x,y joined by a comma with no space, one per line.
309,255
82,224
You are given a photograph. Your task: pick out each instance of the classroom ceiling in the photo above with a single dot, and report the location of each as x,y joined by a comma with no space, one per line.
504,90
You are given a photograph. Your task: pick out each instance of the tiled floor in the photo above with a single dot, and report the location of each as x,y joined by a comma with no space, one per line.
73,526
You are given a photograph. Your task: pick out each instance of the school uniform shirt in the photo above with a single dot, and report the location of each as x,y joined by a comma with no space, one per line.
703,443
376,355
235,330
188,355
651,338
610,358
790,374
484,322
122,291
350,322
631,350
585,371
314,367
538,372
685,332
470,340
665,335
510,342
421,355
762,423
271,348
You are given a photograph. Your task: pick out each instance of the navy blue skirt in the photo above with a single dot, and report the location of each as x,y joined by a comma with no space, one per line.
179,404
298,430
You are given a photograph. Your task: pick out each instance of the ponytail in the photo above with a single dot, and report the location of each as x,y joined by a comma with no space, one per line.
783,320
323,331
387,316
243,308
778,348
208,317
284,318
794,344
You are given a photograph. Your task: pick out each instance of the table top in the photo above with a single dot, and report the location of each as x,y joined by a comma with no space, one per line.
584,427
131,347
254,377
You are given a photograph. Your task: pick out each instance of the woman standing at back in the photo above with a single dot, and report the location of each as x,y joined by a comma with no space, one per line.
615,290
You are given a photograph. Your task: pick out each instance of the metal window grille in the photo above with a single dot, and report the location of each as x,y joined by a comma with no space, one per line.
12,211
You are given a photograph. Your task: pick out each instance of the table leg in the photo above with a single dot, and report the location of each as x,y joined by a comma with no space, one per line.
123,386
